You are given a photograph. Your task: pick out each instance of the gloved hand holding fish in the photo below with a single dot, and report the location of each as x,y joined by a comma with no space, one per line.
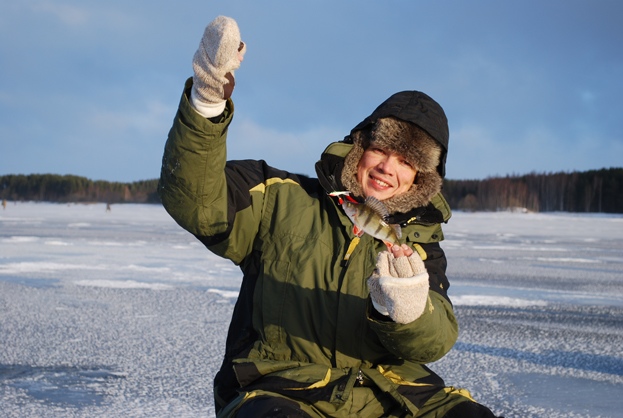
399,285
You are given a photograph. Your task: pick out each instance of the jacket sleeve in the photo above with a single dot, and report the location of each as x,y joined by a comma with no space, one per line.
203,193
433,334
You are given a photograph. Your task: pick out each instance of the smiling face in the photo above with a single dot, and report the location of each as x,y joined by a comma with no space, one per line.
384,174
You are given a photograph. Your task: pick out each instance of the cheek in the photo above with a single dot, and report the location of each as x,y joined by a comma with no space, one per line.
359,175
361,168
407,177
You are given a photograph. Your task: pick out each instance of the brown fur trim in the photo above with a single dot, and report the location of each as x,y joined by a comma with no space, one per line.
408,140
351,161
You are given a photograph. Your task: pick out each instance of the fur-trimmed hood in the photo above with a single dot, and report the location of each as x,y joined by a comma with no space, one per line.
409,123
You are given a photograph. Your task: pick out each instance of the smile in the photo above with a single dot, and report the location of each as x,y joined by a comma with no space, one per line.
380,182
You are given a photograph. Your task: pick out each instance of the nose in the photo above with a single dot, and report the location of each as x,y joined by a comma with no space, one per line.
387,164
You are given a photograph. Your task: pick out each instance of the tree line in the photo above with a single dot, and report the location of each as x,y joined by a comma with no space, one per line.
68,188
588,191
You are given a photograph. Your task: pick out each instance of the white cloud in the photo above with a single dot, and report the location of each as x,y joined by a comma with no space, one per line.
553,88
292,151
478,152
108,16
66,13
470,153
588,97
150,118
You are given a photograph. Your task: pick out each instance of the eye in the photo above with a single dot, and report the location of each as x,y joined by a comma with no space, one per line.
378,151
406,163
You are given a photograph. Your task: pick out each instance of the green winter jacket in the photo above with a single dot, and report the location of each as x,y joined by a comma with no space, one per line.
303,324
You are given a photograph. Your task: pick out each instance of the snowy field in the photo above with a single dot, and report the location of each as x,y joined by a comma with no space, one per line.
123,314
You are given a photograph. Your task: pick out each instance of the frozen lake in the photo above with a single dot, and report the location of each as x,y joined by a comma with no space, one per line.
124,314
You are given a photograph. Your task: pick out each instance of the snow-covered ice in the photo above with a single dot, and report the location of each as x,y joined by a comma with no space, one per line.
124,314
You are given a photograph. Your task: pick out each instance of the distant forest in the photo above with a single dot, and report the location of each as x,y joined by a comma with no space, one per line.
68,188
588,191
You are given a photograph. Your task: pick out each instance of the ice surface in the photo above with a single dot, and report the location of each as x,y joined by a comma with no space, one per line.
124,314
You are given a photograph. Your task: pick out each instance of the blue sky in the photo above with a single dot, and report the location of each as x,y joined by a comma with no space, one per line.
90,87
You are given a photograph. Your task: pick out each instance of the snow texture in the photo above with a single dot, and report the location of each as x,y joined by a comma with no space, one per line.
124,314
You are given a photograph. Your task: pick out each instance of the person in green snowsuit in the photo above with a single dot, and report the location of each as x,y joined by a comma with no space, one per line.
328,323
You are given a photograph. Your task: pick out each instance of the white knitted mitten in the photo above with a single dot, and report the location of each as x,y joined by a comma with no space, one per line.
220,52
399,287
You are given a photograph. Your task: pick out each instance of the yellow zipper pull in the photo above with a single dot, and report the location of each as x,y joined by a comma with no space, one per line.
420,251
349,251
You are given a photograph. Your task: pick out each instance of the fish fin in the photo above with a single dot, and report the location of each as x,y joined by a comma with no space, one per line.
397,229
377,206
357,231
